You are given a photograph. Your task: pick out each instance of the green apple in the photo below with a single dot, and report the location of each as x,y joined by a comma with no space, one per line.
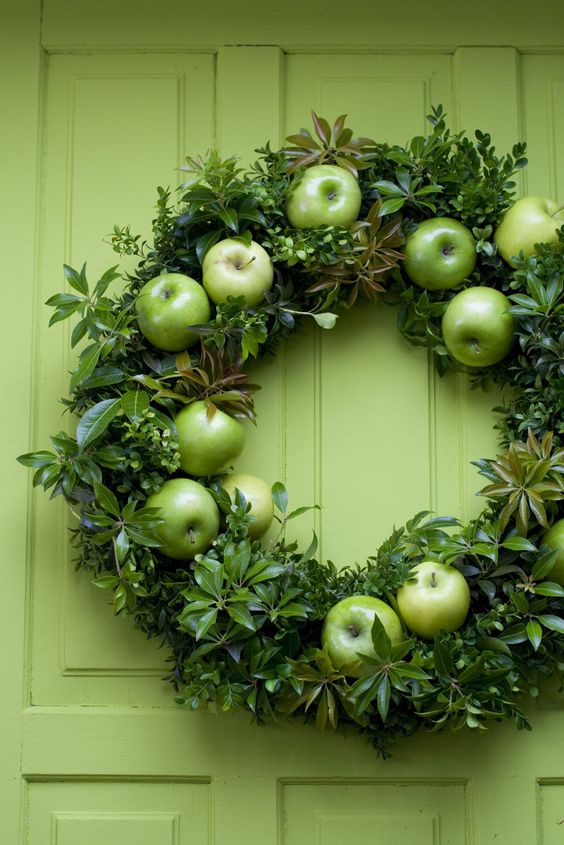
437,600
209,440
166,308
554,539
477,328
529,221
439,254
231,268
191,518
258,494
323,195
347,632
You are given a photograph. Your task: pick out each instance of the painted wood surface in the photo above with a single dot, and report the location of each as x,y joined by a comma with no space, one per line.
94,749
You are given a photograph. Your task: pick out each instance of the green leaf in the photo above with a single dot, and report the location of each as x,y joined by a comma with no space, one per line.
103,377
442,659
514,634
86,366
36,459
106,582
411,672
391,206
545,564
206,242
205,622
555,623
473,672
326,320
380,639
280,496
383,697
135,403
300,511
534,633
310,551
209,576
106,499
549,588
96,420
494,644
121,546
229,217
239,613
388,189
76,280
519,544
105,280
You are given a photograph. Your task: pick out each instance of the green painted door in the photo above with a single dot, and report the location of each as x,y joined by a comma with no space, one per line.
95,750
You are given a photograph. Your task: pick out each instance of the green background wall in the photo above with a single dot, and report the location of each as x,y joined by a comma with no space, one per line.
101,102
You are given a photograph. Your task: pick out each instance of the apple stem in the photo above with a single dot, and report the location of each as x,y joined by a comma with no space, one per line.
191,535
558,210
433,579
250,261
353,631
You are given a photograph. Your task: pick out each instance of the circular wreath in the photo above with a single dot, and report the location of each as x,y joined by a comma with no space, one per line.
242,619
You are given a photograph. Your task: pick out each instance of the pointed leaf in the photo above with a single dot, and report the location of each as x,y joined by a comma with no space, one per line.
549,588
36,459
135,403
383,697
121,545
76,280
322,128
106,499
96,420
534,633
519,544
442,659
380,639
280,496
555,623
229,217
240,613
86,365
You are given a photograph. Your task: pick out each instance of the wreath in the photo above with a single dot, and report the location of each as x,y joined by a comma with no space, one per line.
159,388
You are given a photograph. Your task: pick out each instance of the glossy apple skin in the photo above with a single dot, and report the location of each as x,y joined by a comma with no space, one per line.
477,329
439,599
323,195
554,538
440,254
166,306
529,221
230,268
258,493
208,445
347,631
191,518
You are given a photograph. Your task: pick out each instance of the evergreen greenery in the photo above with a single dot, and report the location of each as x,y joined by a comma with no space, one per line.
242,622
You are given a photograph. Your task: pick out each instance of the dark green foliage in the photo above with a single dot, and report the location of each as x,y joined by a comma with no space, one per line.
243,623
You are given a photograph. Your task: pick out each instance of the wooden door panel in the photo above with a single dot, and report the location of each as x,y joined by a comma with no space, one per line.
378,813
378,410
117,812
542,79
103,160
